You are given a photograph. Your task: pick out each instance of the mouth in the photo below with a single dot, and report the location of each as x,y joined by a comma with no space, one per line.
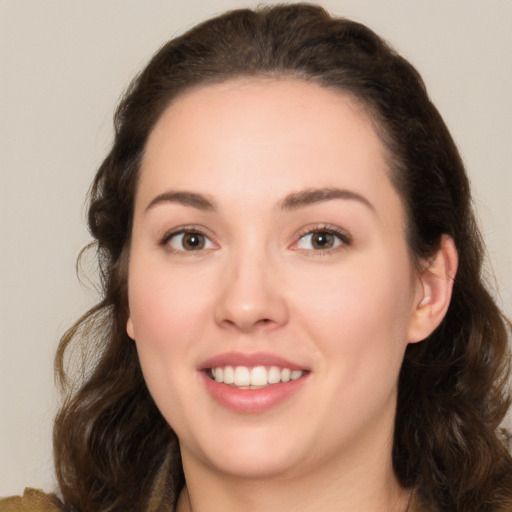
252,383
257,377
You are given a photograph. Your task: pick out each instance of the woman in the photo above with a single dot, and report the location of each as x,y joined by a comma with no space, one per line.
293,315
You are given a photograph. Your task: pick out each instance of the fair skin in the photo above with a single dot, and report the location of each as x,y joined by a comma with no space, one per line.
267,234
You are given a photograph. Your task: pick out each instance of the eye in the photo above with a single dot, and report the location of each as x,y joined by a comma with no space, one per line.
187,240
322,239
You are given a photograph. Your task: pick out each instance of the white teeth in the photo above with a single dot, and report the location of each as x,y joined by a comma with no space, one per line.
242,376
229,375
296,374
274,375
259,376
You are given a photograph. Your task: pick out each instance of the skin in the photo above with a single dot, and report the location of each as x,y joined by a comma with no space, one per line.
345,313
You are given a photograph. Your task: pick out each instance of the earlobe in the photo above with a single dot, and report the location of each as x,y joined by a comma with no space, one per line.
436,281
129,328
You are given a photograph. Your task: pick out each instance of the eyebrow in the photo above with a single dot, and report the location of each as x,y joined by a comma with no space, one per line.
293,201
312,196
193,199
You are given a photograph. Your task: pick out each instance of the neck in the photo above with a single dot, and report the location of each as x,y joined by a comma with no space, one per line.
265,498
256,497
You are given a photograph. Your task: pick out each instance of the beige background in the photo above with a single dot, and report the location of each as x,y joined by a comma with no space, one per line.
64,64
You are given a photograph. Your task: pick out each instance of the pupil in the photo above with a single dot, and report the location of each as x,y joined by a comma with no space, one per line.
193,241
322,240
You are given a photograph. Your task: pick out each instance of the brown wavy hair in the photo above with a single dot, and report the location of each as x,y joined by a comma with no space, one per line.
110,442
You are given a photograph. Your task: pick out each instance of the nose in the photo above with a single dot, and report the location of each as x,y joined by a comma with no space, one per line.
251,294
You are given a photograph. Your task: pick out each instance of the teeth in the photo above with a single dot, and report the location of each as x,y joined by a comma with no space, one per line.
274,375
250,378
296,374
229,375
259,376
242,376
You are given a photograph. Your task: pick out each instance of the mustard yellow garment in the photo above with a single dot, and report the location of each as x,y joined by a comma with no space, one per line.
31,501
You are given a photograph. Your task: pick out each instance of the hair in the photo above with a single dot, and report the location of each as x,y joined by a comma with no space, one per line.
111,443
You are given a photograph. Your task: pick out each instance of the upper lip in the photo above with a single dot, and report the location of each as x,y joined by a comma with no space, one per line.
250,360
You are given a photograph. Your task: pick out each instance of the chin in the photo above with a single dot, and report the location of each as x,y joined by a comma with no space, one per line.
251,455
260,466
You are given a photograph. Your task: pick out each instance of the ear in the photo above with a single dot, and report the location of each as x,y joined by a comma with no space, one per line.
129,328
434,291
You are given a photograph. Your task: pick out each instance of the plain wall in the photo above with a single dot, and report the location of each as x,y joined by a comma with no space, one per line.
64,64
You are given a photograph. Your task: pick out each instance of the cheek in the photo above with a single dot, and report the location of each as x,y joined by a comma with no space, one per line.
168,310
168,316
359,312
165,303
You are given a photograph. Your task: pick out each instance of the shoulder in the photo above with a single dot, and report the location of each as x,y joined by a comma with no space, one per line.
31,501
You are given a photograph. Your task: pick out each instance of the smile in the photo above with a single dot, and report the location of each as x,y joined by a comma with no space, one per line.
244,377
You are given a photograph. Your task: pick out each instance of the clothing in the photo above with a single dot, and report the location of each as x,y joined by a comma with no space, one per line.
31,501
37,501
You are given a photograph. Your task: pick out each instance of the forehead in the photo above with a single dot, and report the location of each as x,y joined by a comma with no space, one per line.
264,136
250,104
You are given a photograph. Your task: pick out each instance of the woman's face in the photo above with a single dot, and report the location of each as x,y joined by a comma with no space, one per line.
269,244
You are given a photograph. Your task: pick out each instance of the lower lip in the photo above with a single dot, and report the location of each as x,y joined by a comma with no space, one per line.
252,401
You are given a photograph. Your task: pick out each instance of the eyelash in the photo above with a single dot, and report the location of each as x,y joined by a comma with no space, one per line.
342,237
190,230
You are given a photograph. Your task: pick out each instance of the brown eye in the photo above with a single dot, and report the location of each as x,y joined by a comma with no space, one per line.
193,241
186,241
322,240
